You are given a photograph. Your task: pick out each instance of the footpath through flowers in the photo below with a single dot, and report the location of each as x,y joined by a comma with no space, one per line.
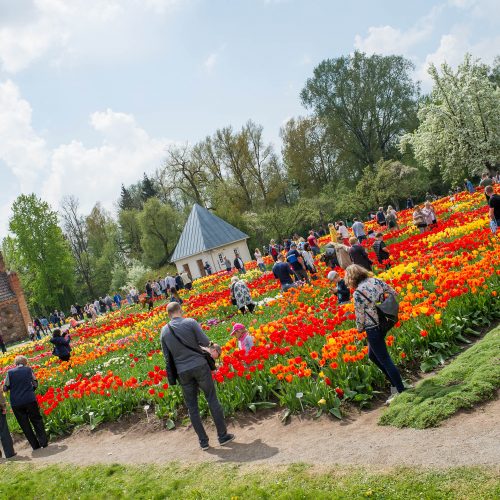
307,352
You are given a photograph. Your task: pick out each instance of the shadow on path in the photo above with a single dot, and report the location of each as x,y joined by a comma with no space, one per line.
52,449
244,452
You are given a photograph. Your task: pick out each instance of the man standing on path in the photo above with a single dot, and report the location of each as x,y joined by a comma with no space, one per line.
21,383
181,339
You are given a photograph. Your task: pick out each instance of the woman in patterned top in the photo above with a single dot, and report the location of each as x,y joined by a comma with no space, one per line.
368,292
241,295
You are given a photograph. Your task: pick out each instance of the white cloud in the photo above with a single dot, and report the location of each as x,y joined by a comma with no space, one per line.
452,46
210,61
389,40
91,173
67,30
20,146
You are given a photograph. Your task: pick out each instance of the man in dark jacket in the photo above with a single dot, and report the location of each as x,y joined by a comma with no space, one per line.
181,339
21,383
358,254
2,344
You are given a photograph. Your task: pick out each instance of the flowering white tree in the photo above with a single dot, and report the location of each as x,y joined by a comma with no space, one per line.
459,122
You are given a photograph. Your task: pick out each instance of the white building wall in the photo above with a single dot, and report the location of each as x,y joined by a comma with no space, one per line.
213,258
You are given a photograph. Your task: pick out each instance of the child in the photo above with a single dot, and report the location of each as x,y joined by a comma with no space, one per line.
245,340
343,293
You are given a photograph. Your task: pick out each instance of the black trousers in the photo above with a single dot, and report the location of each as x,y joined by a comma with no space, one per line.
191,382
2,347
29,418
5,437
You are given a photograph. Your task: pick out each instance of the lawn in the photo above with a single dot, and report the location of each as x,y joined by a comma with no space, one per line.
211,481
472,378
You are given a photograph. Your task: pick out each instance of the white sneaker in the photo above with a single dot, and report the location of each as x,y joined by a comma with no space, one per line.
394,394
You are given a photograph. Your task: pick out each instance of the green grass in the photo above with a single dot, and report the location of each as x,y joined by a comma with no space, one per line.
472,378
215,481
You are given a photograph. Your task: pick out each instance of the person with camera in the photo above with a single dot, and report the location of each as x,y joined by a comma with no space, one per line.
61,342
182,343
369,294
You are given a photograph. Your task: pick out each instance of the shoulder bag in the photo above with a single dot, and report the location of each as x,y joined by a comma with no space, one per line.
387,311
205,354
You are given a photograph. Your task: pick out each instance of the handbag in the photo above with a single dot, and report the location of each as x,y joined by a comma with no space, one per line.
205,354
387,312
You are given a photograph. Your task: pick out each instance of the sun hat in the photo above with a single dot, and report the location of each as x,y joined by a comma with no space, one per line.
332,275
236,327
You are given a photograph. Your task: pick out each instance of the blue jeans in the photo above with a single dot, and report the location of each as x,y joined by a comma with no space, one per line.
191,382
262,267
378,354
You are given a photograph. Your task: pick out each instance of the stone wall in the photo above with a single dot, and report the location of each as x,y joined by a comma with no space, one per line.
16,287
12,325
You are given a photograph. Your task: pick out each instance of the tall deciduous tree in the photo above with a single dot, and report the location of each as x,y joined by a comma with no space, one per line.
160,229
104,246
368,102
75,230
38,251
460,122
309,154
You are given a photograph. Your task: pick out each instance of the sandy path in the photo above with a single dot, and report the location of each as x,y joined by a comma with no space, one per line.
471,438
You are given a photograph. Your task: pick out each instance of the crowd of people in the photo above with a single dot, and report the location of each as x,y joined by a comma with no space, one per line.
189,354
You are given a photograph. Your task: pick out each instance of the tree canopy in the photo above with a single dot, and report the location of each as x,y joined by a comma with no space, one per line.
38,251
459,127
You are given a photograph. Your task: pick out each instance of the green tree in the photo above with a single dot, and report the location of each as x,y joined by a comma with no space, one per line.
38,251
309,154
368,103
131,233
388,182
160,229
104,245
148,188
460,122
75,230
126,201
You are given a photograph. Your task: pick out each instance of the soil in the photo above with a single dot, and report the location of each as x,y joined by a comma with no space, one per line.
469,438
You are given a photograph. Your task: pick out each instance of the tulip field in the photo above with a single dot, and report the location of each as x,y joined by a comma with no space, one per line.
307,356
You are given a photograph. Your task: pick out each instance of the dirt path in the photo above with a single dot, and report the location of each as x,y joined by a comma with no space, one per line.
471,438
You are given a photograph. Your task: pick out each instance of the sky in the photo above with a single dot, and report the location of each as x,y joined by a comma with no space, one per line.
92,92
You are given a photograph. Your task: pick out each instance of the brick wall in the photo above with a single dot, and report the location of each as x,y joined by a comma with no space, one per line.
15,286
12,325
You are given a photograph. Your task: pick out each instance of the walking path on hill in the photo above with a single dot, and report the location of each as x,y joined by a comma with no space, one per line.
469,438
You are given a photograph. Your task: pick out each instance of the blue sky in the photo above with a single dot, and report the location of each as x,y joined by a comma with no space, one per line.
93,91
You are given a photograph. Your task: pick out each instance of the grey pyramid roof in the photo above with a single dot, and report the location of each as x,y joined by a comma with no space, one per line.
204,231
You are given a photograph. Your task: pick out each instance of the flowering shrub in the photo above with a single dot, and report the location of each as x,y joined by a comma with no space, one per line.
307,351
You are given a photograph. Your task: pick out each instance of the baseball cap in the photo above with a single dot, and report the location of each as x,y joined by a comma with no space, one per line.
236,327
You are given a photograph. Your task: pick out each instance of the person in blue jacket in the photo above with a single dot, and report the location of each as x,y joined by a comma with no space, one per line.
21,382
62,349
